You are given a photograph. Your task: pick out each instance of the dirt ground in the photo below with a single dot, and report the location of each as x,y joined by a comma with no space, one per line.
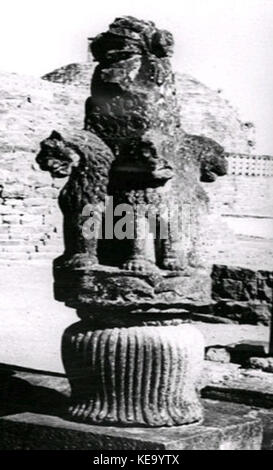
33,322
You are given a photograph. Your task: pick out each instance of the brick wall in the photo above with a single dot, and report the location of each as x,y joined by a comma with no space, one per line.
30,108
241,195
206,112
246,208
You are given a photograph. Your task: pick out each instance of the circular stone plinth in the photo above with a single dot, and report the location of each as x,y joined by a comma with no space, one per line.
134,376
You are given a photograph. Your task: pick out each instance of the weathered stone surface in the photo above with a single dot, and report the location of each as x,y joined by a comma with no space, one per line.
243,294
76,74
133,108
226,427
252,312
270,349
203,111
233,282
262,363
231,382
267,419
133,102
134,376
118,291
217,354
241,352
87,162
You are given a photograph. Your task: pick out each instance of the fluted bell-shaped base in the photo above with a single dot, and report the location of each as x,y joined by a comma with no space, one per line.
134,376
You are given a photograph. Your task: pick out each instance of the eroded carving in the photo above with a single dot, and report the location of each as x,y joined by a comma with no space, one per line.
86,162
145,375
134,109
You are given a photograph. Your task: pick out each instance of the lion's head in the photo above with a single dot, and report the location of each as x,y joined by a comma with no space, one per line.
57,156
141,166
207,154
213,163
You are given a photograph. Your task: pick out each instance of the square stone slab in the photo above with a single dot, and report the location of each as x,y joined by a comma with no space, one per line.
32,405
222,429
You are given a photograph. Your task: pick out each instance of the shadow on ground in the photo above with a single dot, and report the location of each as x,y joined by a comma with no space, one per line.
19,395
25,390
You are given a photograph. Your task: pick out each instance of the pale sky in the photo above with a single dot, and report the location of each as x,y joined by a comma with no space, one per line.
225,44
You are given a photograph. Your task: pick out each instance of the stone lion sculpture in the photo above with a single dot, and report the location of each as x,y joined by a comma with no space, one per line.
148,159
133,103
133,108
86,162
89,166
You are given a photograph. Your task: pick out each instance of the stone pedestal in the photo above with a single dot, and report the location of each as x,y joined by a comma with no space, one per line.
134,376
223,429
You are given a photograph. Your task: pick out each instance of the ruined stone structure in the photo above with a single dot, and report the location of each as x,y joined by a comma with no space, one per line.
144,374
31,224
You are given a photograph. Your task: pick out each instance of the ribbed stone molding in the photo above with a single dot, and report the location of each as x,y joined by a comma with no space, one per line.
134,376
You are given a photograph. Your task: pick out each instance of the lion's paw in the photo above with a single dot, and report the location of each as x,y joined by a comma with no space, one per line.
171,264
83,260
139,265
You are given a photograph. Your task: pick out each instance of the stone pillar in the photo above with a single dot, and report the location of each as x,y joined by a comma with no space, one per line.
126,361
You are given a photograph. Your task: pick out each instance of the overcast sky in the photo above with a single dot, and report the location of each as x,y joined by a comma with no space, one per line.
226,44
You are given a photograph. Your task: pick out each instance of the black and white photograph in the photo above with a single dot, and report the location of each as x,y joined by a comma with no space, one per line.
136,228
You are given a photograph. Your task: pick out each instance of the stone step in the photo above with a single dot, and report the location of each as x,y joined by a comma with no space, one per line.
4,228
51,246
4,236
46,254
8,250
13,243
10,257
21,238
24,240
21,228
